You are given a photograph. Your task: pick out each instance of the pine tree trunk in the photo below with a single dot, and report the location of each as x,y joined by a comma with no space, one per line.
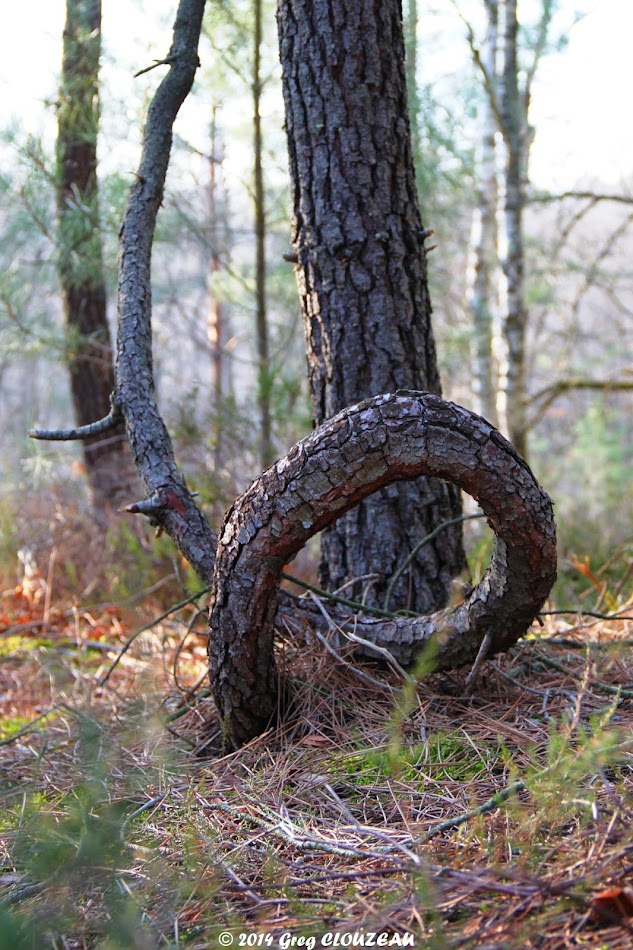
107,460
361,269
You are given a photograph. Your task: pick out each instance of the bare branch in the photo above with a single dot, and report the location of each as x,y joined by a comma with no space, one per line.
592,271
149,440
111,421
592,196
488,79
573,222
550,394
539,49
157,62
605,385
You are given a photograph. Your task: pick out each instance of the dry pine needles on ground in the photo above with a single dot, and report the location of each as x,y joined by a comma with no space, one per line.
495,815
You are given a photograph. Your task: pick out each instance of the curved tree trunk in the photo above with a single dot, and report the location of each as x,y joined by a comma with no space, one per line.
361,450
361,270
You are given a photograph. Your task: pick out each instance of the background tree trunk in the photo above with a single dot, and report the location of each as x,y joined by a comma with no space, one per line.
107,459
216,324
361,270
411,68
516,137
266,450
484,301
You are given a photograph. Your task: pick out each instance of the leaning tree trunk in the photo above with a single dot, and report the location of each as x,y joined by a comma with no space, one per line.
107,460
359,246
361,450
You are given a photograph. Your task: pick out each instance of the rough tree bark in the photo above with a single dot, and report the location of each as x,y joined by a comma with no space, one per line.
80,264
362,449
170,504
359,244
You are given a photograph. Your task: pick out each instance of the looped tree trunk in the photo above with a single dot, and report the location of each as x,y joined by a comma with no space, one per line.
363,448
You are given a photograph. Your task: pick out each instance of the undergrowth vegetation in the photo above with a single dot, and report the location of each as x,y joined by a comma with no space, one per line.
449,813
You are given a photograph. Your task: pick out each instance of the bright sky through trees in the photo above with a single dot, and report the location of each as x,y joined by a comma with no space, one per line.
583,131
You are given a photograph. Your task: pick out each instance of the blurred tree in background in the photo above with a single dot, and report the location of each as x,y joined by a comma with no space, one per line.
80,255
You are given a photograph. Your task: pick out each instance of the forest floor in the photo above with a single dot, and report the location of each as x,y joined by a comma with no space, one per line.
428,816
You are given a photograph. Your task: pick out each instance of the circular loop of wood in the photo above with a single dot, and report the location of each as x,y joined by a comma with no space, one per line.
370,445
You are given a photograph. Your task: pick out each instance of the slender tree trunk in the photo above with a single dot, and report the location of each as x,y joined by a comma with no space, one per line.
411,67
361,270
261,317
215,327
484,301
81,274
515,133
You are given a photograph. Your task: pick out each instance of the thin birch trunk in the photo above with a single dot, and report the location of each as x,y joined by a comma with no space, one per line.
266,450
515,133
484,301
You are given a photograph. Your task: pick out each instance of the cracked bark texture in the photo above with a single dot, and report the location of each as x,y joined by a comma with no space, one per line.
361,270
135,394
361,450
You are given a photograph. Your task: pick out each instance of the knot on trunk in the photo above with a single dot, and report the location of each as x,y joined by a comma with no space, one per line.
362,449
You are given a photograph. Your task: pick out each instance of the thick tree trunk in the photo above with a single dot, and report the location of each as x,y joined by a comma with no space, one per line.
361,269
358,452
107,460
